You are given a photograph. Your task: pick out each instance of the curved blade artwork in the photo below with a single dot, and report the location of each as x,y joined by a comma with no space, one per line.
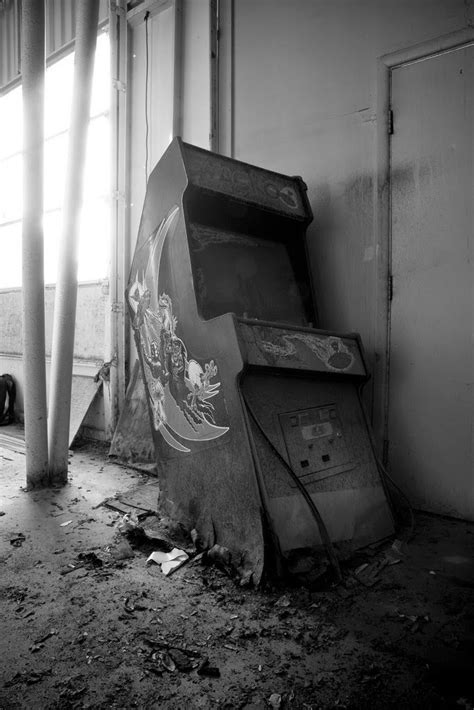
179,388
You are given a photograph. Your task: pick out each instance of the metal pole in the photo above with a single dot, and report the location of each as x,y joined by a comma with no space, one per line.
214,8
114,395
87,15
178,68
33,70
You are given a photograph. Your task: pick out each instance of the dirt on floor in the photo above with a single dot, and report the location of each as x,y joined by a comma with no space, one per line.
87,623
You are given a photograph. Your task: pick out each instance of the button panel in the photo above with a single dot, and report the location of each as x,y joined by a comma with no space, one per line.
315,442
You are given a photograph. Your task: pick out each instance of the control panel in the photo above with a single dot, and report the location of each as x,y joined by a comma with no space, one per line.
316,443
271,345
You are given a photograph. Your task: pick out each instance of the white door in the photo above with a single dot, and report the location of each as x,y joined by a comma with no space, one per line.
431,403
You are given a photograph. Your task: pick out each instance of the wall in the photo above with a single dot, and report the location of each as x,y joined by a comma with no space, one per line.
303,101
92,300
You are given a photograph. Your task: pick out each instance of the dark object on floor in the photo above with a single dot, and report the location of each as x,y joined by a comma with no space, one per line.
7,399
18,540
90,559
207,670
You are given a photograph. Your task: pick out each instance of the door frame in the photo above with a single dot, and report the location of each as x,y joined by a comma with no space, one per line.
382,217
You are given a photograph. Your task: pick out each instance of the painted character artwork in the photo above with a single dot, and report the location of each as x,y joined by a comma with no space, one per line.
331,350
180,389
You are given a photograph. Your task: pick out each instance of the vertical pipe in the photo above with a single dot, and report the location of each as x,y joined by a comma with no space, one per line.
225,78
214,74
123,241
115,346
33,70
109,388
177,67
87,12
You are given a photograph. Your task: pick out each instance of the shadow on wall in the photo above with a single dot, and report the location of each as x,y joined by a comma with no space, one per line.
342,247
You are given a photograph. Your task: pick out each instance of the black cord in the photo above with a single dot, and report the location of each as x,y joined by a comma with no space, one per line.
278,556
387,480
328,546
147,15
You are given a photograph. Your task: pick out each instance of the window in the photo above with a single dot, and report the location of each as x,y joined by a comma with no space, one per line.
95,216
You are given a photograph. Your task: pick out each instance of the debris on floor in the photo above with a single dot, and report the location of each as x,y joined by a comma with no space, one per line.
118,634
169,561
274,701
139,502
122,550
207,670
368,573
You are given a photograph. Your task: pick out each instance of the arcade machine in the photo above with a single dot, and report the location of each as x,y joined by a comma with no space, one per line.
260,438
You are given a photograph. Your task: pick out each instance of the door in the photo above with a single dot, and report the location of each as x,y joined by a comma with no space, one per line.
431,403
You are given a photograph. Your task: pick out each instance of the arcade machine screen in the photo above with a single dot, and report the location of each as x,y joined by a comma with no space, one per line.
247,262
248,275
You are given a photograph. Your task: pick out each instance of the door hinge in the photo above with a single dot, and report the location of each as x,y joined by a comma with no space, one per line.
385,452
390,122
390,288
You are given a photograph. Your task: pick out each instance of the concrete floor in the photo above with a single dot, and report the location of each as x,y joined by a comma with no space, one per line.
99,637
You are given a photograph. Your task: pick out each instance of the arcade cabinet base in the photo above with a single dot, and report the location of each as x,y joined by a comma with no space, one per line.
317,428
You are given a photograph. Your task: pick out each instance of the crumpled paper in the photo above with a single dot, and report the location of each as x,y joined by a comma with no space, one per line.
168,560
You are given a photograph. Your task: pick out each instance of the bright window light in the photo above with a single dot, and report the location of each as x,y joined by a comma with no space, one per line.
95,215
